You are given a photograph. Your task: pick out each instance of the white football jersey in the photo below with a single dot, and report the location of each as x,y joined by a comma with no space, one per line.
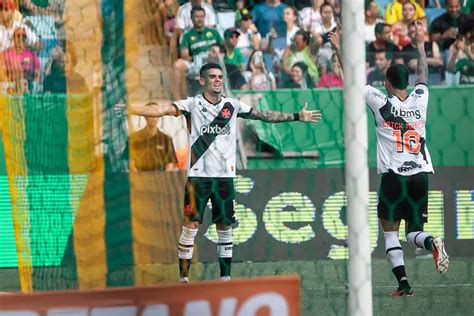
400,128
213,135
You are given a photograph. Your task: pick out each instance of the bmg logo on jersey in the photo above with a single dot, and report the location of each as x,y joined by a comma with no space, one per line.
216,130
397,112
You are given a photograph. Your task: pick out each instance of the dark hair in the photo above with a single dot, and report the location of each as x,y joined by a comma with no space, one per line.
207,67
301,65
221,47
367,4
379,27
195,9
305,34
304,69
326,4
397,75
295,12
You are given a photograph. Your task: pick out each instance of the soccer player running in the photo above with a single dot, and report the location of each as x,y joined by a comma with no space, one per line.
211,163
404,162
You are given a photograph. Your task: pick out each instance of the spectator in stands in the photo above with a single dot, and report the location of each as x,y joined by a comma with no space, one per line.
216,54
194,46
445,28
267,15
249,39
184,17
300,51
280,41
321,34
152,150
400,28
62,77
54,8
300,78
383,43
461,56
311,17
22,65
334,77
434,58
394,11
233,55
240,5
10,20
259,77
236,79
165,18
336,5
183,21
376,75
371,19
290,16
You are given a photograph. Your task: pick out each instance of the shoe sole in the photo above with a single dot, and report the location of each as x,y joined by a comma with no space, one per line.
404,294
443,259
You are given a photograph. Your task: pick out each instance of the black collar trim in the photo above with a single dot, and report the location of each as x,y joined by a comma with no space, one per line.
204,97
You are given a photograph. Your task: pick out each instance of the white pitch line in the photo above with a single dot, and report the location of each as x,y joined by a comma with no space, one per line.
391,286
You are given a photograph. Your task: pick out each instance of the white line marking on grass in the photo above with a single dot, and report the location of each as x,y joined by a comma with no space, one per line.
391,286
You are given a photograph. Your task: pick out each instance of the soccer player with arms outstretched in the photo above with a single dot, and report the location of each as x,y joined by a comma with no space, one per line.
211,163
404,162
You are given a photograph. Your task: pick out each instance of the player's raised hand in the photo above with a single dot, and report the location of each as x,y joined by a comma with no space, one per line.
419,33
309,116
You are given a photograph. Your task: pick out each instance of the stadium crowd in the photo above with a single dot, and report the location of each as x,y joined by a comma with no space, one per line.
263,44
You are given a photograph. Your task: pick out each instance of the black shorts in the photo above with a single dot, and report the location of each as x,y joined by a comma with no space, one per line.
197,193
403,197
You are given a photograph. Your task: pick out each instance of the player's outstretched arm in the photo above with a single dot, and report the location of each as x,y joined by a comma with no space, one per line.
153,109
422,61
276,117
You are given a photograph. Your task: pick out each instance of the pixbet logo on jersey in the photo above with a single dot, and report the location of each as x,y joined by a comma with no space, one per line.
405,113
216,130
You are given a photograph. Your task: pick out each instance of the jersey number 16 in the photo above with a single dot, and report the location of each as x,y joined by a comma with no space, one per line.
410,140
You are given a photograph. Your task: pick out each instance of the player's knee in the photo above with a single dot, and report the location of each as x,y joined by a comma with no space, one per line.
414,227
225,243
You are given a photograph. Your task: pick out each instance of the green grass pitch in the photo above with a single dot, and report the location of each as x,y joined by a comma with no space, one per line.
324,285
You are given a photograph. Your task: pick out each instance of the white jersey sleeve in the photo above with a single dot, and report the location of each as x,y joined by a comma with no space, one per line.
185,105
244,110
421,95
374,98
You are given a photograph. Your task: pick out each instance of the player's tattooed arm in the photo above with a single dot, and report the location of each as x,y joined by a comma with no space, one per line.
271,116
153,109
276,117
422,61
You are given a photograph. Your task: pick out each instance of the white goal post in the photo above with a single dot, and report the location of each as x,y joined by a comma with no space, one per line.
356,170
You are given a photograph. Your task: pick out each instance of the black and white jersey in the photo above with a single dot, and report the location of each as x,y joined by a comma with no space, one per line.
400,128
213,135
